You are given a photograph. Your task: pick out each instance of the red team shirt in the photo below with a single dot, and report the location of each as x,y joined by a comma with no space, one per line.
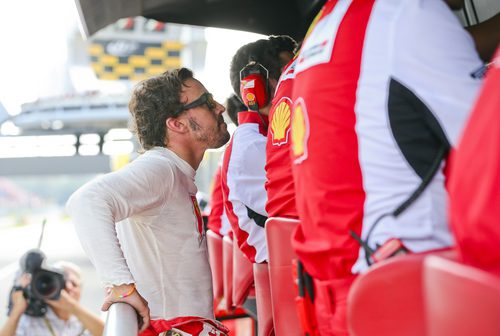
475,178
372,95
279,184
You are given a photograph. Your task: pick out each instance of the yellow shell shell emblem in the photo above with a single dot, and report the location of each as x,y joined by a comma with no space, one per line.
280,124
250,97
300,131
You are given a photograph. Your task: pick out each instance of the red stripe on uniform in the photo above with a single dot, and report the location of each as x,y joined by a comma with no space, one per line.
330,195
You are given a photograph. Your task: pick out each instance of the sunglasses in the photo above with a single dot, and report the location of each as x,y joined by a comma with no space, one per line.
205,98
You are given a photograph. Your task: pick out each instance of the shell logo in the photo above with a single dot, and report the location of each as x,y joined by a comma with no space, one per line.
250,97
300,131
281,120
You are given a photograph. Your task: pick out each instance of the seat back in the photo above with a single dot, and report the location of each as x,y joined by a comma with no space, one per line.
214,242
242,276
283,292
388,298
263,298
460,300
227,269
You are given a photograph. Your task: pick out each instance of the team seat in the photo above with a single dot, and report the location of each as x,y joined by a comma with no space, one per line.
283,291
227,269
460,300
214,242
389,298
243,279
263,298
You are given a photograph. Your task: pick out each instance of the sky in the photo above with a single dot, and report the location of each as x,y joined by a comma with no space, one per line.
33,51
33,47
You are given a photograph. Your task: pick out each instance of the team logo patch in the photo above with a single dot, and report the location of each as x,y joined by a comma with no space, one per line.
250,84
199,218
318,46
280,123
300,131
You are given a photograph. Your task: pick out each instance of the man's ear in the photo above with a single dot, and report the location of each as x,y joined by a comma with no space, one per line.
176,125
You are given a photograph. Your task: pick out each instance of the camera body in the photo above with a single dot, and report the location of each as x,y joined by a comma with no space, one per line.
45,284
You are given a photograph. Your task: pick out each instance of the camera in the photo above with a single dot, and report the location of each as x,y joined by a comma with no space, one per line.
45,284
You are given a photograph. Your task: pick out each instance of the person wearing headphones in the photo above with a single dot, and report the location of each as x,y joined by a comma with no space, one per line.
254,73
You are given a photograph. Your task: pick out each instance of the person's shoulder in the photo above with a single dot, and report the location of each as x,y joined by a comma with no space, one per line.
248,141
248,133
420,13
152,160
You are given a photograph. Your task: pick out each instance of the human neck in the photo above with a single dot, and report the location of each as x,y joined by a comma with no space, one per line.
192,156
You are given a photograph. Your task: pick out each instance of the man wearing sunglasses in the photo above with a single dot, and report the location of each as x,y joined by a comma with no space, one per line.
141,225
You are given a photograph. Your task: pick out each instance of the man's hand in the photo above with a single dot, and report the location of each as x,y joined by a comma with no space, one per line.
65,302
19,303
134,299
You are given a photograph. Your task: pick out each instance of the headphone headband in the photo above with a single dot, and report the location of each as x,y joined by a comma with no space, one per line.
254,68
254,85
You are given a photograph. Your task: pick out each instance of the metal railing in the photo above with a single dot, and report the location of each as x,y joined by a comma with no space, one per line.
121,320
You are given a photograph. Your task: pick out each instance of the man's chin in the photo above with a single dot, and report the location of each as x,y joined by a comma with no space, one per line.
224,138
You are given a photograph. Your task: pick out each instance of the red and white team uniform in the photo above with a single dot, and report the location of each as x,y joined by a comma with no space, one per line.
379,86
475,178
217,220
243,178
279,185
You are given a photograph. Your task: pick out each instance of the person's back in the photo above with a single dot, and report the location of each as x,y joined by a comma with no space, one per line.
381,87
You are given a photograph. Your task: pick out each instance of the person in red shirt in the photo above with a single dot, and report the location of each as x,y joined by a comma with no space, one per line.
381,93
243,173
475,178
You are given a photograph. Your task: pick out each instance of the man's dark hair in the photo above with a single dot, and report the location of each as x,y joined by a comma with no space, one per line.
233,106
153,101
266,52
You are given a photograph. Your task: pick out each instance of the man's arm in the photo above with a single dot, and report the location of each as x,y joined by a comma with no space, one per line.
96,207
248,182
128,294
435,59
19,306
89,320
246,198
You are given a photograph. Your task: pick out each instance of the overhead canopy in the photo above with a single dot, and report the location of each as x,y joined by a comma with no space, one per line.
290,17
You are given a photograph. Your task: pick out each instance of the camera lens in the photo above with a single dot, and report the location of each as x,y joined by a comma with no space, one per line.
46,286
